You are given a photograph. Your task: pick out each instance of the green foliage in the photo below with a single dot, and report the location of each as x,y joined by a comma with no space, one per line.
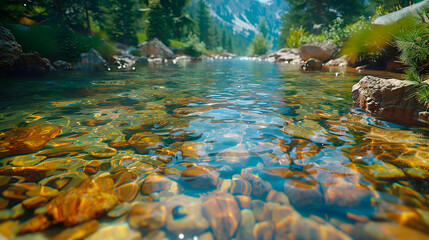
123,26
296,37
157,25
314,15
263,27
414,45
205,25
370,42
259,45
58,43
194,47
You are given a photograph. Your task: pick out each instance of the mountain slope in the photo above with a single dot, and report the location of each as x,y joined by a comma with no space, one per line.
243,16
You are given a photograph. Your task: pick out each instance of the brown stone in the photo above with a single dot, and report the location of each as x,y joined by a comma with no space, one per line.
389,99
274,196
27,139
127,192
308,228
200,177
157,48
258,210
263,231
223,214
77,232
34,202
304,193
37,223
95,122
115,232
147,216
193,149
244,201
260,187
247,224
321,51
100,151
143,142
184,215
119,210
241,186
90,199
157,183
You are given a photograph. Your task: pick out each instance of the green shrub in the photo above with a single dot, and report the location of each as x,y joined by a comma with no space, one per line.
194,47
259,45
296,37
58,42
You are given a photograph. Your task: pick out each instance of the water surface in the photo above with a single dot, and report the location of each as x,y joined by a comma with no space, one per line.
218,149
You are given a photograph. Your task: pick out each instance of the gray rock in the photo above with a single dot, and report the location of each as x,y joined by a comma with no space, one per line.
10,50
312,64
155,47
340,62
389,99
321,51
91,61
62,65
141,61
31,64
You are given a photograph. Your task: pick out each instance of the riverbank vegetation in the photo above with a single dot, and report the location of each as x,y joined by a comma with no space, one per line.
403,43
60,29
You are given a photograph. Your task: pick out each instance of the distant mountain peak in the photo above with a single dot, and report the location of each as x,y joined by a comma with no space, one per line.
243,16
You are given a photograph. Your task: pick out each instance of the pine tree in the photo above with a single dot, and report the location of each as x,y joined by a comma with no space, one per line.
157,26
124,21
223,41
263,28
204,24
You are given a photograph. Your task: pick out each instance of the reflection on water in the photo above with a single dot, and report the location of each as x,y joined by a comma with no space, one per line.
210,150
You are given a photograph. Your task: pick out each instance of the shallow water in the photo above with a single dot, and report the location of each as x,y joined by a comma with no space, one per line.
209,150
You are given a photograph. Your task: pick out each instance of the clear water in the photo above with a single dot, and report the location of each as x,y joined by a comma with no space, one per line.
258,131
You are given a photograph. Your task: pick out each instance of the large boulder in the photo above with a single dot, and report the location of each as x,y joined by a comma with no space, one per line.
155,48
390,99
321,51
286,55
92,61
32,64
10,50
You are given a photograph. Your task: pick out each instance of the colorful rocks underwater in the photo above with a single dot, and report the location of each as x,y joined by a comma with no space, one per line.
212,156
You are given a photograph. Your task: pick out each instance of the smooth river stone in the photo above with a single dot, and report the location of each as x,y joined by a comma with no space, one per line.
95,122
127,192
37,223
27,139
184,215
307,228
247,224
77,232
274,196
385,230
241,186
157,183
346,194
147,216
193,149
119,210
90,199
304,193
100,151
223,214
115,232
244,201
260,187
143,142
27,160
258,210
61,150
34,202
263,231
200,177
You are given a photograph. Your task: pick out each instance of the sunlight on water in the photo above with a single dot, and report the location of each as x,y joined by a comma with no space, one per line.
217,149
